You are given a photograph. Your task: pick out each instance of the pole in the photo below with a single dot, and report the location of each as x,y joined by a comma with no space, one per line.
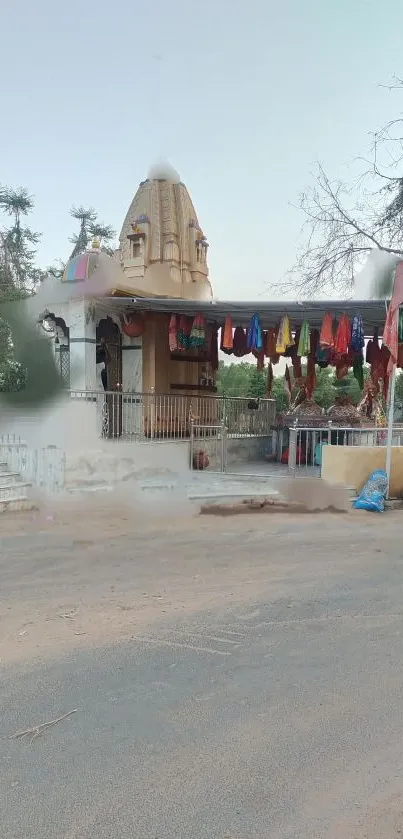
391,411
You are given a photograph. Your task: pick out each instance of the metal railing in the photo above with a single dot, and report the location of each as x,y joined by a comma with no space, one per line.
306,444
158,416
208,449
43,467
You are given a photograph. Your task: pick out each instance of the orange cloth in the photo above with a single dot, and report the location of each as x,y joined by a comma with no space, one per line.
227,341
343,336
379,367
270,344
326,333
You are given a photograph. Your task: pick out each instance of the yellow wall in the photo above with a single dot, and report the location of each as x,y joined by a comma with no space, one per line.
159,371
352,465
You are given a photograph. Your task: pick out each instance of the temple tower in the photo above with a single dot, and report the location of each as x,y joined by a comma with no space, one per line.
163,251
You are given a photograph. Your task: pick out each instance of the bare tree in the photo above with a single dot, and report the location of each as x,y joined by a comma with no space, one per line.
344,223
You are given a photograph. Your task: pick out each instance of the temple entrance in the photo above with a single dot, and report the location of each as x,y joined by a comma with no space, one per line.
108,336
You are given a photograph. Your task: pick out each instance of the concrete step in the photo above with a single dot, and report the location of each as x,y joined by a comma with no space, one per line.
7,478
232,493
17,504
15,490
85,488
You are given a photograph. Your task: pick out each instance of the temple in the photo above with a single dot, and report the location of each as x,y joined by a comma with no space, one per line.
163,254
136,335
136,342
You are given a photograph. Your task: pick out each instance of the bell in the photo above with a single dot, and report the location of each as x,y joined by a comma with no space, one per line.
133,326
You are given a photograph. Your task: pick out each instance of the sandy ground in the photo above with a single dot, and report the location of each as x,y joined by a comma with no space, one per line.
63,577
93,577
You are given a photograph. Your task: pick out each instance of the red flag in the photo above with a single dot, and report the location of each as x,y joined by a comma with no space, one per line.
390,332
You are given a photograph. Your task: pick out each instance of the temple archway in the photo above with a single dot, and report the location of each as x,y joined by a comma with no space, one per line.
109,349
108,332
56,328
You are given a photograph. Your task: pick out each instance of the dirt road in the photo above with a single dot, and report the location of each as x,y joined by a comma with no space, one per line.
233,679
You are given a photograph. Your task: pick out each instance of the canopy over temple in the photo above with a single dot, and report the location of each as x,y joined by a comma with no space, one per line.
373,312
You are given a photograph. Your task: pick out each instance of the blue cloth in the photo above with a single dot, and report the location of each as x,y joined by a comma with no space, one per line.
373,494
357,334
254,336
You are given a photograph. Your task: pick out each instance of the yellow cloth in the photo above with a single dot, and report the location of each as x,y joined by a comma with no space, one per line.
284,337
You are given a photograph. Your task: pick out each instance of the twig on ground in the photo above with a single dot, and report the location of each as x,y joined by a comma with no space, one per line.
37,730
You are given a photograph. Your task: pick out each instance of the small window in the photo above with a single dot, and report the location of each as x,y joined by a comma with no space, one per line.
136,249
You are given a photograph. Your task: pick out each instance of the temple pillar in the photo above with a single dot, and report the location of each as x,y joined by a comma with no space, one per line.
132,360
82,344
148,355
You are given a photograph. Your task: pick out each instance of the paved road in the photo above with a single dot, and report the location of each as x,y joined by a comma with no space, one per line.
259,696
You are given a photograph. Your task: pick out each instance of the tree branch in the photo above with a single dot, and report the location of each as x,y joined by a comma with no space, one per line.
344,223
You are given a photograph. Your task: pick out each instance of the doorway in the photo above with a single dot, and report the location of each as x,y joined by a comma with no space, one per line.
110,333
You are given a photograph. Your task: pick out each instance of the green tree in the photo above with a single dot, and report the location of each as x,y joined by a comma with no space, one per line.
242,379
245,379
233,379
19,274
90,228
257,383
19,278
18,244
278,393
324,391
399,393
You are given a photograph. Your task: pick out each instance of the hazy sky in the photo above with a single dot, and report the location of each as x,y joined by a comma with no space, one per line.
241,97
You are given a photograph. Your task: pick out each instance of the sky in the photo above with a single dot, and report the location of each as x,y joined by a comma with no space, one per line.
242,98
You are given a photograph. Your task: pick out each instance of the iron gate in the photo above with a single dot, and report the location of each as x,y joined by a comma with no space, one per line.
208,447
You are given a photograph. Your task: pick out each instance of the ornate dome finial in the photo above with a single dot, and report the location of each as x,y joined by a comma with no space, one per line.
96,244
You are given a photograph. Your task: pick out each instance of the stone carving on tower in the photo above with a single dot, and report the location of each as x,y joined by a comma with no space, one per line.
163,251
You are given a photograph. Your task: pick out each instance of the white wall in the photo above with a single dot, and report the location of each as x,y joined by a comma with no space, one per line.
114,462
71,425
132,364
68,423
82,346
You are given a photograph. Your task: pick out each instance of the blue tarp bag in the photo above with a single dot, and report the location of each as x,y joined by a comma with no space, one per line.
373,494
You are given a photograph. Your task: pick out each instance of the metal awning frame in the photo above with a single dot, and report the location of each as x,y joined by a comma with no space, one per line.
373,312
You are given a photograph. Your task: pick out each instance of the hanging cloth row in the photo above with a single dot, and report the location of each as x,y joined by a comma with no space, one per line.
186,333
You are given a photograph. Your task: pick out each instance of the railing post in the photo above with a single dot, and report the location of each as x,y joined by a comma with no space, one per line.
292,450
152,413
223,410
191,442
223,448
